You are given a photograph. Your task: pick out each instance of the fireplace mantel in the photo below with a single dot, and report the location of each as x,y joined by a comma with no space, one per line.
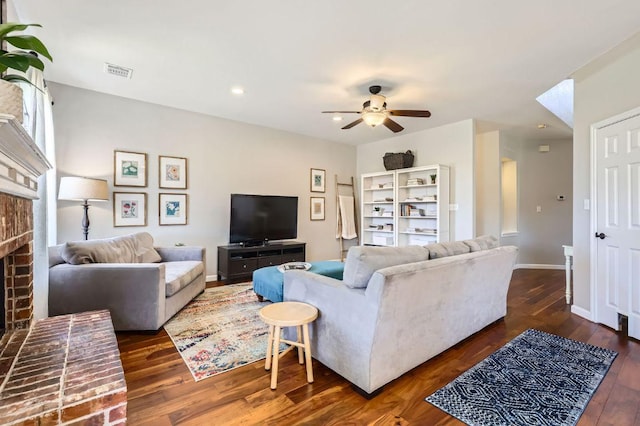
21,161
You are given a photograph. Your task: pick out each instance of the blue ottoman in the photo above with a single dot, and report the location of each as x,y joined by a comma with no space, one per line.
268,281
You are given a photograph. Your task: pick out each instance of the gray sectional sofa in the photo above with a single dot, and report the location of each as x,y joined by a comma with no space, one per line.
397,307
141,285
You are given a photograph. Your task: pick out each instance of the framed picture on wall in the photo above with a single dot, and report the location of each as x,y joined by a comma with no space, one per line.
129,209
317,208
317,180
173,172
173,209
129,168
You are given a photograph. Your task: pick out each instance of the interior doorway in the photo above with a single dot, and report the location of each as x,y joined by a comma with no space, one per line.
616,221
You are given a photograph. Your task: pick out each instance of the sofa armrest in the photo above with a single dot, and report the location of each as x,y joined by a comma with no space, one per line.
134,293
343,333
176,254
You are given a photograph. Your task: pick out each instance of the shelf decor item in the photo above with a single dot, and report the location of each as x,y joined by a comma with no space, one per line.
173,172
317,180
20,60
398,160
173,209
317,208
129,169
129,209
433,179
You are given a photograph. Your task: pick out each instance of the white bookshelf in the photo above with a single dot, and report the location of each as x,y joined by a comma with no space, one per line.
378,209
406,206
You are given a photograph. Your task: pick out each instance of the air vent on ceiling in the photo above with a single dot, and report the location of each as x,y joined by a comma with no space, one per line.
117,70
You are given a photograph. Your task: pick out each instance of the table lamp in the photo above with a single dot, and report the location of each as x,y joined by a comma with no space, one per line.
83,189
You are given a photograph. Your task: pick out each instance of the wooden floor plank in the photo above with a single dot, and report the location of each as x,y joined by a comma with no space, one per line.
161,390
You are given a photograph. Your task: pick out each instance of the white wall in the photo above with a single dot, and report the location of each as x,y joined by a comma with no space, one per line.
542,177
224,157
487,161
451,145
605,88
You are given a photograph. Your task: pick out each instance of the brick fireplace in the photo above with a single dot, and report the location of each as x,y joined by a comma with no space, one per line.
61,370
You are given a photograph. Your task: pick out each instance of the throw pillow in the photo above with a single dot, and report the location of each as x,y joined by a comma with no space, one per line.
449,248
484,242
363,261
135,248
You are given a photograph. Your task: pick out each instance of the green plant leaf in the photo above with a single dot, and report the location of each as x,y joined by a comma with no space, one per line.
15,77
13,26
29,42
15,61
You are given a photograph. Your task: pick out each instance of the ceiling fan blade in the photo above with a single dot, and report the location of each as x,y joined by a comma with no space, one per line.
350,125
392,125
341,112
409,113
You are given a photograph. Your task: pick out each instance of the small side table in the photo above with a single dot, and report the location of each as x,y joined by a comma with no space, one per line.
288,314
568,254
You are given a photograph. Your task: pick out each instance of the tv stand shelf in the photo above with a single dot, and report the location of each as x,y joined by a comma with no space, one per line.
236,263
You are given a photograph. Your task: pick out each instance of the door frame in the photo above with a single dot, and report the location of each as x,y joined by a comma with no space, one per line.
593,247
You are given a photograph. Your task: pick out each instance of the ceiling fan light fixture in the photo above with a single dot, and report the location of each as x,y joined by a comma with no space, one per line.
377,102
374,118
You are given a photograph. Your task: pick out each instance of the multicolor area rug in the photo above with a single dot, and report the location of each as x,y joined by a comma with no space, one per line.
536,379
220,330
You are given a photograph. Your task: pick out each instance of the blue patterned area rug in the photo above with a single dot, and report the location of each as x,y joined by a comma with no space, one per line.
535,379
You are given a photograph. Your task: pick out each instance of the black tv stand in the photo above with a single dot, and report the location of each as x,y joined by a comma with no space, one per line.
236,263
255,243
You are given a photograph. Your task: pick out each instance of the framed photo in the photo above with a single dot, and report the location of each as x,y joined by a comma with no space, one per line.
173,209
173,172
317,180
129,209
317,208
129,168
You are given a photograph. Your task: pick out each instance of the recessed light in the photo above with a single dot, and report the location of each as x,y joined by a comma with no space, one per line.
337,118
237,90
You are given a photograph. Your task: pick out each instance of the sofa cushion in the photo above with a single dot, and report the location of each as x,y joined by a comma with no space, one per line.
447,248
179,274
134,248
484,242
363,261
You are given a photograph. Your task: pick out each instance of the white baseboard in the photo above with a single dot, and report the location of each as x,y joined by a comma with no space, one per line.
581,312
209,278
537,266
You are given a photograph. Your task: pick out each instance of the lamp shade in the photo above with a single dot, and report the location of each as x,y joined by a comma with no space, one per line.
373,118
81,188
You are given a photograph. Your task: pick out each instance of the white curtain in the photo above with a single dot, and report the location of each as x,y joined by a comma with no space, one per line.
38,122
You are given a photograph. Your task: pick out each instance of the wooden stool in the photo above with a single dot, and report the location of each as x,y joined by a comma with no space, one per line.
288,314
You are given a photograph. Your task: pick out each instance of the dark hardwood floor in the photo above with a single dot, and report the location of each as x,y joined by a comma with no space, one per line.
161,390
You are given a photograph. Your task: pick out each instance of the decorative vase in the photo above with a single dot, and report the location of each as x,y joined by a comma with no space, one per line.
11,99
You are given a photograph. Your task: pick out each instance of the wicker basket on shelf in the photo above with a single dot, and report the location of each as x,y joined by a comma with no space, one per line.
397,160
11,99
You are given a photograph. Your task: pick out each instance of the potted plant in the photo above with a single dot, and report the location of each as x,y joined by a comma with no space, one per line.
433,178
19,60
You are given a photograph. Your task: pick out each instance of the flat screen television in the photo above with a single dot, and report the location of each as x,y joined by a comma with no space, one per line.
258,219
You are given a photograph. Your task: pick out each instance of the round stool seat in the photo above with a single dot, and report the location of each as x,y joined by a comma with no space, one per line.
288,314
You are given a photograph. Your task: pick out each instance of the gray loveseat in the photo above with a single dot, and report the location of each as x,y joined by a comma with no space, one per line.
141,285
397,307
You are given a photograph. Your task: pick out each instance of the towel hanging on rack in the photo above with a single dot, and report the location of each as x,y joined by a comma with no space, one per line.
346,218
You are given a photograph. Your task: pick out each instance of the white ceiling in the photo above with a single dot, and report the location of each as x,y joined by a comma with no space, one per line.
459,59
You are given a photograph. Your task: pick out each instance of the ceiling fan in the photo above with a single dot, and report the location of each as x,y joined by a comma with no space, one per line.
374,112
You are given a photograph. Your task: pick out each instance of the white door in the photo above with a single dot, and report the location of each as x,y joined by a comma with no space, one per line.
617,177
